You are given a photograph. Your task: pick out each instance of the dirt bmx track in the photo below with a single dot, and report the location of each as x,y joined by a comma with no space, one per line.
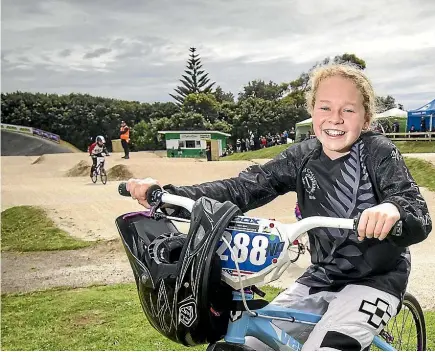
88,211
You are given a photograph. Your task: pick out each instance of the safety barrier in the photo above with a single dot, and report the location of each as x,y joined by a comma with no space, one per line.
33,131
411,136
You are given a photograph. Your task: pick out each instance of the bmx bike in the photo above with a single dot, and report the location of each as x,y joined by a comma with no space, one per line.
100,171
251,258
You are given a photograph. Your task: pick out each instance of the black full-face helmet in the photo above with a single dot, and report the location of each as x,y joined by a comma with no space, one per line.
178,276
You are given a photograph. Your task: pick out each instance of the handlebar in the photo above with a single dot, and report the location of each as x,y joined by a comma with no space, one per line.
156,196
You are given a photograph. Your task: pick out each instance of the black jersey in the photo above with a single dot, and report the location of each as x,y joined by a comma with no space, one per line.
342,188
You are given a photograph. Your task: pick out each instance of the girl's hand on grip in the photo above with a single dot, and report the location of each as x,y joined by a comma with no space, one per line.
377,222
138,189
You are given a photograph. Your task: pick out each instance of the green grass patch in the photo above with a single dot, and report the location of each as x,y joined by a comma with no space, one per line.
415,146
71,147
271,152
430,330
265,153
422,171
26,228
94,318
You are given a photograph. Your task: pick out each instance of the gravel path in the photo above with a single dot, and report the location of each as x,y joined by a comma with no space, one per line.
88,211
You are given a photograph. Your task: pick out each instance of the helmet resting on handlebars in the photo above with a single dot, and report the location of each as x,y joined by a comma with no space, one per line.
178,276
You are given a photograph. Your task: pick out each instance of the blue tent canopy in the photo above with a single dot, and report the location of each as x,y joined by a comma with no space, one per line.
427,112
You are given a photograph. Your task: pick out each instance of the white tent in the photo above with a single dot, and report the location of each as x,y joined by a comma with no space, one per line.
303,127
306,122
395,112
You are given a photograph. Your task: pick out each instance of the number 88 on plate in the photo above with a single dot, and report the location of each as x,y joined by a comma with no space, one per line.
255,243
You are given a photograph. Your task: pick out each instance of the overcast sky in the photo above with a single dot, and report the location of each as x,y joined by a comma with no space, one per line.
137,49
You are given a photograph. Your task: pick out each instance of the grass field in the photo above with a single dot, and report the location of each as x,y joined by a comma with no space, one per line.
422,171
269,153
94,318
71,147
415,147
26,228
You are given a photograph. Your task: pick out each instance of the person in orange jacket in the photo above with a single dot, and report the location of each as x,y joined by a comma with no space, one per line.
125,139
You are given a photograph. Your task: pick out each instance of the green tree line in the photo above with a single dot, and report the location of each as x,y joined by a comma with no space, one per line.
77,117
261,107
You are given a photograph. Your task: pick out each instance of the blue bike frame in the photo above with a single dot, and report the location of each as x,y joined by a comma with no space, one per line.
267,332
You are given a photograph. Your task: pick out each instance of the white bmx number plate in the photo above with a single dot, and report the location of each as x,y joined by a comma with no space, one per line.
258,248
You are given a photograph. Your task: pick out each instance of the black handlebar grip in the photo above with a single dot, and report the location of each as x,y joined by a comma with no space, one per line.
356,222
154,194
122,189
395,231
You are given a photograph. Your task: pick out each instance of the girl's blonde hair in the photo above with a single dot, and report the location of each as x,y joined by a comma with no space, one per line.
349,71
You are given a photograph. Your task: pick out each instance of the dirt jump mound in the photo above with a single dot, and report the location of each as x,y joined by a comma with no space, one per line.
80,169
119,173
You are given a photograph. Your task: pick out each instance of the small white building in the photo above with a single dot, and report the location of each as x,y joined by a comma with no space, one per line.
192,144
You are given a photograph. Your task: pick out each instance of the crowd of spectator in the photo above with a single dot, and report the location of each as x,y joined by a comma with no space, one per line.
253,142
395,127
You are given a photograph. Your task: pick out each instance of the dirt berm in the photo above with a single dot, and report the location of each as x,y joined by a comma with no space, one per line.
19,144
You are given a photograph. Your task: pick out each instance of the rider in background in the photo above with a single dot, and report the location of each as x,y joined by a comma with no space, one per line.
357,279
96,150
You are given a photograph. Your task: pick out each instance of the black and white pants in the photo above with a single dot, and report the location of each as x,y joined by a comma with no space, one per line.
351,318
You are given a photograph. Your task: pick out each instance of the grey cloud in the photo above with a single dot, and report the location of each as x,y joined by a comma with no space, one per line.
24,59
149,41
4,60
23,6
406,77
65,53
144,47
97,53
144,82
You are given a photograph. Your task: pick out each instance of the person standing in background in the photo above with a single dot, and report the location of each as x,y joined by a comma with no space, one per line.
396,127
292,135
247,144
208,152
243,145
125,139
423,127
238,145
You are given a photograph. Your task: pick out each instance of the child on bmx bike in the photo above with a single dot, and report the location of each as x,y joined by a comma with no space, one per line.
96,151
357,280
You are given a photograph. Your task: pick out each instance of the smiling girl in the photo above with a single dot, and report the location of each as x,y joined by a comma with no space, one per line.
356,280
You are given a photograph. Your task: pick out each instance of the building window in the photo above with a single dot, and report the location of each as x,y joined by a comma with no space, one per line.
198,143
180,144
190,144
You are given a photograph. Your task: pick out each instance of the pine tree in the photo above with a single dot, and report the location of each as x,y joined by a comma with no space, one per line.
194,81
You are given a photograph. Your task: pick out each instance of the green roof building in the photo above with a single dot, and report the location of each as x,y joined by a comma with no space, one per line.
192,144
